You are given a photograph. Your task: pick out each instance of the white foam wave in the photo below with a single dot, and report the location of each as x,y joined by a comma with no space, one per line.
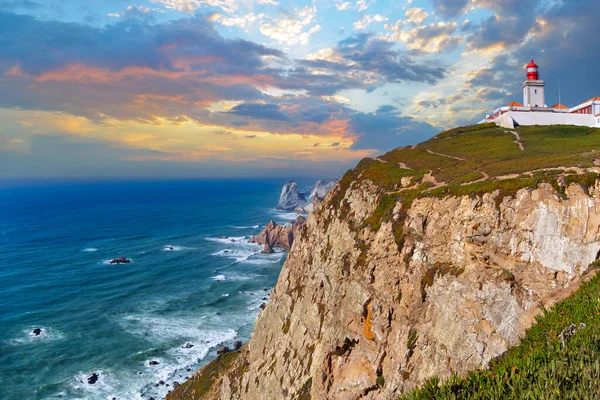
246,227
176,248
90,249
219,278
230,240
237,254
194,341
28,337
225,295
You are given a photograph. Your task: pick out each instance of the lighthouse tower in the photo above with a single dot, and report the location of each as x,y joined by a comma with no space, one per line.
533,87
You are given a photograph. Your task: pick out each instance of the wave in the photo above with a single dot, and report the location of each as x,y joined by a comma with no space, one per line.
90,249
230,240
193,343
246,227
237,254
219,278
169,247
28,337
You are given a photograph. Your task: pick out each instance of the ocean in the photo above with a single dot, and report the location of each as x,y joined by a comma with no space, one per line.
194,283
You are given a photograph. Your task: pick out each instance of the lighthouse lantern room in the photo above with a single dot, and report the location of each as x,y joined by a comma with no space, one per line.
533,87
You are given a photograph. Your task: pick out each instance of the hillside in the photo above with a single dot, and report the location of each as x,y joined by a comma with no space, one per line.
431,260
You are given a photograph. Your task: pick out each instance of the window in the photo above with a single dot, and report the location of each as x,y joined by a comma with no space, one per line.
535,91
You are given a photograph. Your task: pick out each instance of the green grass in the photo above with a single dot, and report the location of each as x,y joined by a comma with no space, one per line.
467,152
542,366
200,384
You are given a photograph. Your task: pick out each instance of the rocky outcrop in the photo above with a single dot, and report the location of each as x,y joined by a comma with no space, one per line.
279,235
291,197
321,188
120,260
442,286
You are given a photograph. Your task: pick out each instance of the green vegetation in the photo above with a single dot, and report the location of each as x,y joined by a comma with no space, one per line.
455,162
200,384
559,358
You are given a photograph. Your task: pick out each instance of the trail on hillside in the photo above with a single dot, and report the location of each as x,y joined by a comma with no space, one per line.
517,140
445,155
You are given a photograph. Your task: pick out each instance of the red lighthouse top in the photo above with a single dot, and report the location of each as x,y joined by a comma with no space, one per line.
532,71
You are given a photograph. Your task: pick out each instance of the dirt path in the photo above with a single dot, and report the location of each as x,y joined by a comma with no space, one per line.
517,140
485,177
445,155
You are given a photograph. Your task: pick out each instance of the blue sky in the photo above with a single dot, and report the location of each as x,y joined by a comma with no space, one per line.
210,88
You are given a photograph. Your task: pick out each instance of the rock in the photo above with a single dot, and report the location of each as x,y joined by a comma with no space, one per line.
93,378
187,346
37,331
161,382
279,236
223,350
291,197
267,249
347,315
264,299
156,385
321,188
237,344
262,306
188,369
153,362
120,260
176,385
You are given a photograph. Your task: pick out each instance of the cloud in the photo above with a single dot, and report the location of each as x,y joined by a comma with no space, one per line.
434,38
259,111
450,8
291,28
416,15
366,20
189,6
360,61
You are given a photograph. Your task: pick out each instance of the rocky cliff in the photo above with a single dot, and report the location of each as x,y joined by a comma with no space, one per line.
291,197
279,235
399,276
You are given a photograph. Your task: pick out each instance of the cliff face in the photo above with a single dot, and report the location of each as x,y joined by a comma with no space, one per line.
422,263
353,321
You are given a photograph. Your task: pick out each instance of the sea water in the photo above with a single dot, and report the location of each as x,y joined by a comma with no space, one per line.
195,283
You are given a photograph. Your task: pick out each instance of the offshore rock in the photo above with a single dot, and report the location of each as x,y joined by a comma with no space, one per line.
267,249
291,197
322,188
279,236
120,260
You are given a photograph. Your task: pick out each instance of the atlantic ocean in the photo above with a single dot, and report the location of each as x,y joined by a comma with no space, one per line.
194,282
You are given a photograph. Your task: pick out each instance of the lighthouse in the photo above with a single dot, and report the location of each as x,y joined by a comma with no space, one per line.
533,87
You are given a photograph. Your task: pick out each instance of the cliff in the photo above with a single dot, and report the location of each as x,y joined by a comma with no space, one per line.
428,261
281,236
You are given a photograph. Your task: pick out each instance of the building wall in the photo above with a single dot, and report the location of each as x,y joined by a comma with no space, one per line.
534,96
546,118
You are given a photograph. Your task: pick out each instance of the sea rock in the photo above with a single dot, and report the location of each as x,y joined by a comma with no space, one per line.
237,344
267,249
153,362
262,306
176,385
120,260
187,346
37,332
279,236
223,350
291,197
321,188
93,378
161,382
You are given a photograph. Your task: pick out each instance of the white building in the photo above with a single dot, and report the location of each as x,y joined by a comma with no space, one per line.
534,110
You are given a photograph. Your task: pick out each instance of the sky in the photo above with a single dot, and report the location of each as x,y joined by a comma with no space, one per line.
256,88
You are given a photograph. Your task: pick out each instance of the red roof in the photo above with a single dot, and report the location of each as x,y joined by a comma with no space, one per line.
559,106
593,99
515,104
532,64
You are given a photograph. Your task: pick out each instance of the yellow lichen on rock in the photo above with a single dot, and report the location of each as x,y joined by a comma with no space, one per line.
368,325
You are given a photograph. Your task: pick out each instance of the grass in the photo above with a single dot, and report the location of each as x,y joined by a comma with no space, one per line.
559,358
200,384
459,157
